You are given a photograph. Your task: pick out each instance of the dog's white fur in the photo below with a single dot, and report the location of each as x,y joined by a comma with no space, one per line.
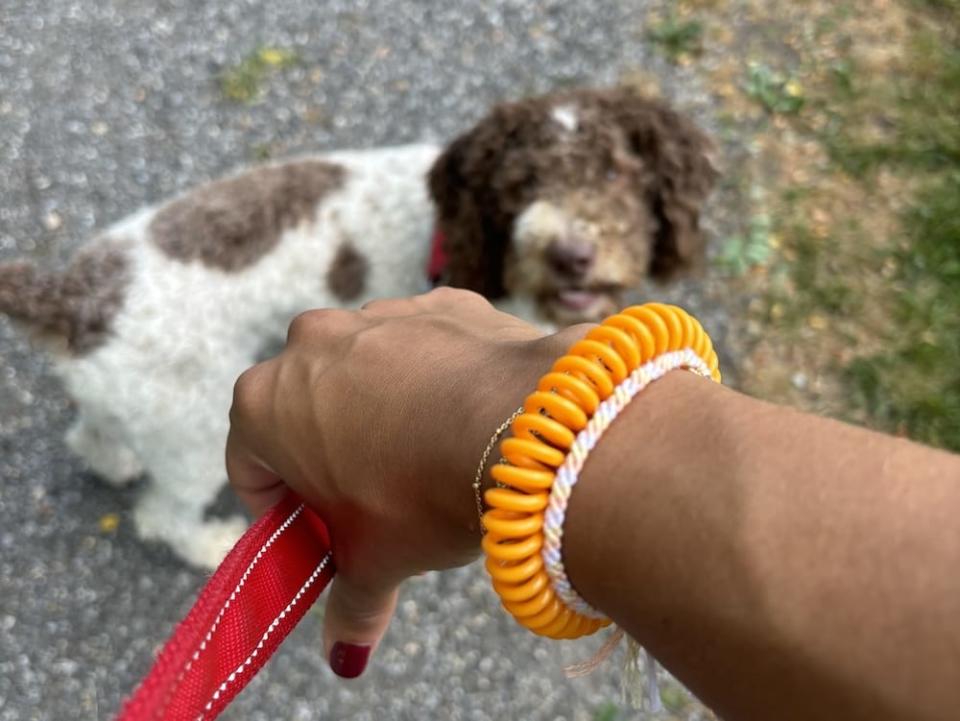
156,396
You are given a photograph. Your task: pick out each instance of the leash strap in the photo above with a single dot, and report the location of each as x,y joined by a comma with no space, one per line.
254,599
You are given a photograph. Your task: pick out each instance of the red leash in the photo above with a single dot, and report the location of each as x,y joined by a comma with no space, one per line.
254,599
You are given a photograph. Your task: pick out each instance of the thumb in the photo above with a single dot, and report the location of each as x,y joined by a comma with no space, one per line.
354,622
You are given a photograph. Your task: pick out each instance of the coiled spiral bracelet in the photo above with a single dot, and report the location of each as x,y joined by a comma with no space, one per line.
561,422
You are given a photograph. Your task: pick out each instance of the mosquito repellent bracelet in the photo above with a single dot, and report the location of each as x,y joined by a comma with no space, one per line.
563,420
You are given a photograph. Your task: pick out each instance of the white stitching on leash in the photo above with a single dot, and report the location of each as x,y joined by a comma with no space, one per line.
266,634
243,579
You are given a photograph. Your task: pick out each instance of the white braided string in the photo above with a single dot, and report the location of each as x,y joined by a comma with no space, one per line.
568,473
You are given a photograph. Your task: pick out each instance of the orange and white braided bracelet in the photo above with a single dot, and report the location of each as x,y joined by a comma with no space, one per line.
562,421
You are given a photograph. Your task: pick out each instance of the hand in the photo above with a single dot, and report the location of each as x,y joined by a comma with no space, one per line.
377,419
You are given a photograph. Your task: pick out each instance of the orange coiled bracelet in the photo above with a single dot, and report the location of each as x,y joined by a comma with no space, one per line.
562,420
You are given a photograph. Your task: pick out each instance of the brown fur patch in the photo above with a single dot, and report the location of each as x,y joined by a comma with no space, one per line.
79,304
621,143
230,224
347,276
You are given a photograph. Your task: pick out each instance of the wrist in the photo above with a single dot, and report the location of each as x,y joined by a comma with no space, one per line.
639,463
572,409
493,392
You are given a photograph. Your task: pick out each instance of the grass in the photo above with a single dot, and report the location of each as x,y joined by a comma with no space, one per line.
901,127
847,114
777,93
919,109
608,711
677,38
743,252
243,82
914,387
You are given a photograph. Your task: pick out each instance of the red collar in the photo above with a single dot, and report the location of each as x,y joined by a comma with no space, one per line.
437,265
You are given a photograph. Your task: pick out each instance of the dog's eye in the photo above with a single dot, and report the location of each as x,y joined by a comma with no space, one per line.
612,174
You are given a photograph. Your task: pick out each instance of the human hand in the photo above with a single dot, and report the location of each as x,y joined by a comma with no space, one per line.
377,419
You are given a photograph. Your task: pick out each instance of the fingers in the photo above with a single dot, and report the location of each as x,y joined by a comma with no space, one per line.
257,486
354,623
250,476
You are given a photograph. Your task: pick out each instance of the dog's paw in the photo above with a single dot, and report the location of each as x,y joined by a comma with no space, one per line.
213,541
106,456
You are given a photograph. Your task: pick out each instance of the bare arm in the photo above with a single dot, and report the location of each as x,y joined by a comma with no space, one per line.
783,565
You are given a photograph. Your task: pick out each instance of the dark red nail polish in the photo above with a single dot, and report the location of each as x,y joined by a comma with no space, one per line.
348,659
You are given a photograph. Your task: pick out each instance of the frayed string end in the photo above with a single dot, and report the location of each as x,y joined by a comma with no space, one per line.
638,681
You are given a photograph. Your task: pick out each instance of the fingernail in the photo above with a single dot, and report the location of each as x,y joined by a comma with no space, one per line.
348,659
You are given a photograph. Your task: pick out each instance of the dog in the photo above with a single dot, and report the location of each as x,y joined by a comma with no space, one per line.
551,207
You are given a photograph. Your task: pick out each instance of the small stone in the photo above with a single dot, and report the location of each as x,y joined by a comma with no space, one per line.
99,128
109,523
799,380
53,220
66,666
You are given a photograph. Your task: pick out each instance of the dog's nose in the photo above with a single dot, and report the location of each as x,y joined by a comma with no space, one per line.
571,257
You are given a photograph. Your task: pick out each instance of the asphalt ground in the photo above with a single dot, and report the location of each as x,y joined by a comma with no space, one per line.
107,106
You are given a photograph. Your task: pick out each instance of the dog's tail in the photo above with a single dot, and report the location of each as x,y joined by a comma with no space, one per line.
75,305
34,297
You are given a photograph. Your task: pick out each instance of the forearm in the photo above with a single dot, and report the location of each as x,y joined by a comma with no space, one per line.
781,564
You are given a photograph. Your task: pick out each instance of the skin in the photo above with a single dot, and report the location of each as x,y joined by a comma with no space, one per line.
782,565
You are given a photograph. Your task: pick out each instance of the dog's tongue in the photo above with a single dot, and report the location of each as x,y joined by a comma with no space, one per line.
577,299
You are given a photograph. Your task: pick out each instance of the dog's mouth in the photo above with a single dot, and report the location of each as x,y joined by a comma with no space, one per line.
581,304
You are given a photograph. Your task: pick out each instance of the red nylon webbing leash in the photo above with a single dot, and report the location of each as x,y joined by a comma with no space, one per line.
254,599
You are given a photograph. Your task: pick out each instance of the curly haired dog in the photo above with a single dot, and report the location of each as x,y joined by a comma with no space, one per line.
550,206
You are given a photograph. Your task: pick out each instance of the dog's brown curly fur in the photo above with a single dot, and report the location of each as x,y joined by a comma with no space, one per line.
488,176
78,305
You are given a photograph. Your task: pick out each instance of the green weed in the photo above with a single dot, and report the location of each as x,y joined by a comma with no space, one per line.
777,93
677,38
243,83
607,712
742,252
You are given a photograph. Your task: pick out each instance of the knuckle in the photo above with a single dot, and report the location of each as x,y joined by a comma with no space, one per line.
376,306
304,325
246,391
386,306
316,323
449,296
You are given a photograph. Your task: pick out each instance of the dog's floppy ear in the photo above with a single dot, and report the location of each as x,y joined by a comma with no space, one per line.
677,153
463,185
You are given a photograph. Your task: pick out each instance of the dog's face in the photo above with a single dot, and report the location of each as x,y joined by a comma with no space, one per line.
571,199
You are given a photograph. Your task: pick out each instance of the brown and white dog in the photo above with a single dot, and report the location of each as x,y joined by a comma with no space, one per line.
550,206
